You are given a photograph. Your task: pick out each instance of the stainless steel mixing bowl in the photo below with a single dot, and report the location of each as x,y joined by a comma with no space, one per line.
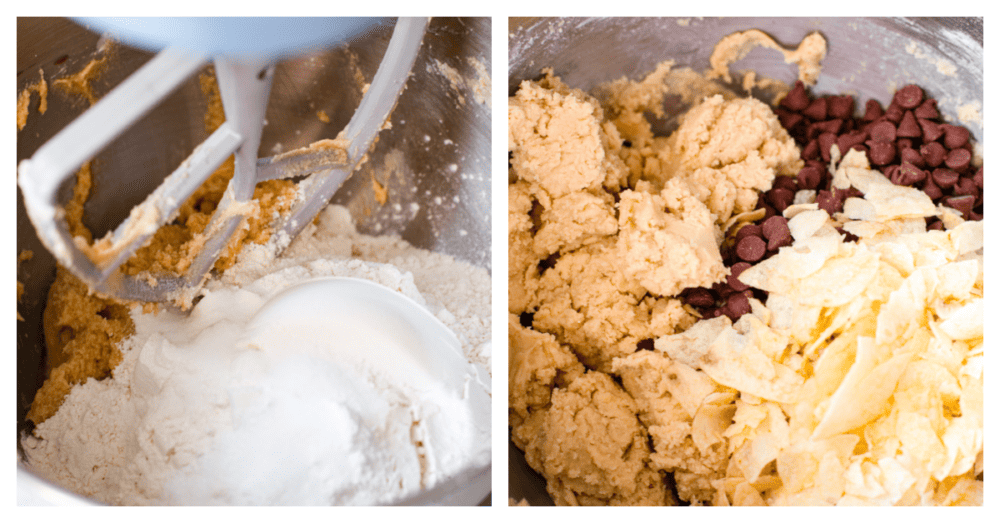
867,57
437,155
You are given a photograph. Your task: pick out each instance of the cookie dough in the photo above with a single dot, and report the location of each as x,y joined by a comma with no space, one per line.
607,224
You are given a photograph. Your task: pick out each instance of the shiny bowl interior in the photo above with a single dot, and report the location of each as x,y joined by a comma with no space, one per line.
436,154
866,57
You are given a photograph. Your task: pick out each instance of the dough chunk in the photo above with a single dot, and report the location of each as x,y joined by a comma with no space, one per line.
591,448
557,138
538,363
522,263
574,221
589,304
728,151
686,413
668,242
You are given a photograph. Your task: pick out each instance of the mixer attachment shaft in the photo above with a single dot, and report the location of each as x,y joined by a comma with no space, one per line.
245,88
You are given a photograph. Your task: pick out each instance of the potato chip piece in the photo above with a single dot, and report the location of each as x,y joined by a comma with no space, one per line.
807,223
966,323
865,391
950,217
796,319
897,201
840,279
967,237
781,273
689,346
956,280
710,422
896,255
905,306
734,360
860,209
796,208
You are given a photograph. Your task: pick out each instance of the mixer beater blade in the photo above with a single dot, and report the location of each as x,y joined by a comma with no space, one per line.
245,87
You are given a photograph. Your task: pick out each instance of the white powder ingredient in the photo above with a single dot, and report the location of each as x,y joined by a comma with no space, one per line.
192,418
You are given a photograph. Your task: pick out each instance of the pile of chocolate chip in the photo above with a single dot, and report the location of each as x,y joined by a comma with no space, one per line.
906,141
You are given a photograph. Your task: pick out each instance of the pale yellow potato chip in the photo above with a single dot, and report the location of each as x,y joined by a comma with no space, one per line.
897,255
734,360
806,223
950,217
860,209
796,319
710,422
897,201
956,280
966,323
967,237
840,279
864,393
793,210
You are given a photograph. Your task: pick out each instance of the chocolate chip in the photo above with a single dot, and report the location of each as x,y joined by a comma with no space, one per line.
961,203
734,275
891,171
978,178
909,96
904,143
955,136
737,305
944,178
908,127
882,131
931,189
958,159
780,198
776,231
873,111
698,297
910,174
785,182
809,177
750,229
789,119
894,113
965,186
849,139
828,202
751,249
840,106
811,150
928,109
881,153
848,237
826,140
828,126
796,99
936,225
816,110
931,131
933,153
911,156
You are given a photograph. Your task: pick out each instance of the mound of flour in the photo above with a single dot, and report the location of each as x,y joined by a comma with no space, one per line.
190,418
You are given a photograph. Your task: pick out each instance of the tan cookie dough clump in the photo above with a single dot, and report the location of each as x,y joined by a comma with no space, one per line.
607,224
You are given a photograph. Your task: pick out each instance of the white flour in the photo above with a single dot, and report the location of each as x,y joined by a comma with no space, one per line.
190,417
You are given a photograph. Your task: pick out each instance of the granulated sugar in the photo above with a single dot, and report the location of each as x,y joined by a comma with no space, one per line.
192,416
